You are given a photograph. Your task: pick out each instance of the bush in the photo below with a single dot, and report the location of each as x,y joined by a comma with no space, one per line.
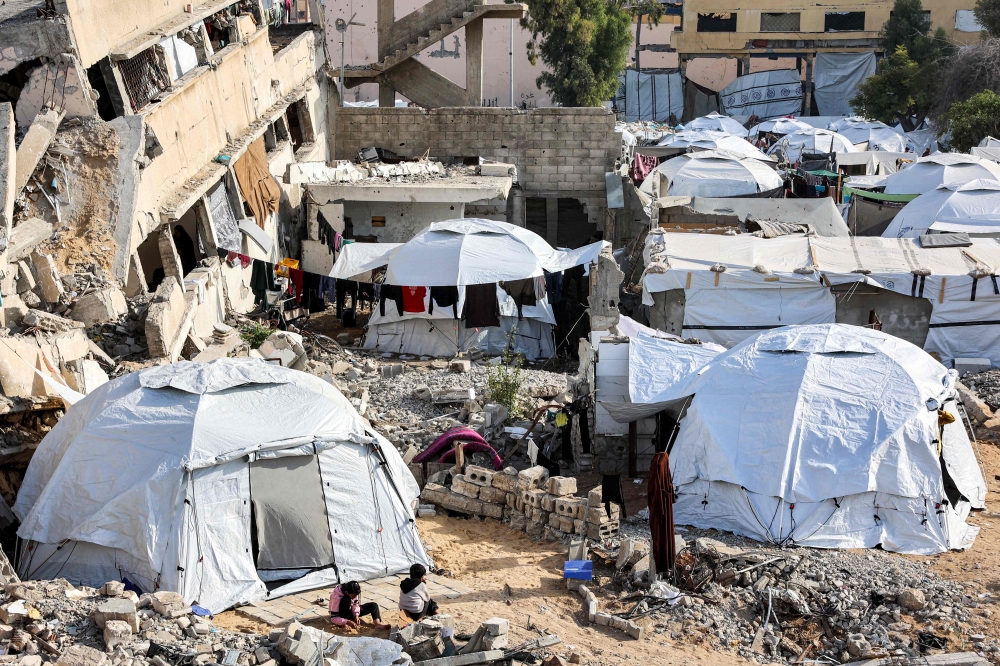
505,381
972,121
255,333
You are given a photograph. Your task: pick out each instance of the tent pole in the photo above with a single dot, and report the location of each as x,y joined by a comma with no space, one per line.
633,449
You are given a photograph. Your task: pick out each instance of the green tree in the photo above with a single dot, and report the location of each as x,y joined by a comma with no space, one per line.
988,14
973,120
903,89
585,45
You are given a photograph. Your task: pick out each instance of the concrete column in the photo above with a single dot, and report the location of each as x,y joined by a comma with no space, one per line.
745,61
474,63
807,86
385,17
168,255
8,161
116,88
386,95
206,227
515,207
135,282
551,220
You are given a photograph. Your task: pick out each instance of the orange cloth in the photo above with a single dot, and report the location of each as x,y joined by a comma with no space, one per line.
257,184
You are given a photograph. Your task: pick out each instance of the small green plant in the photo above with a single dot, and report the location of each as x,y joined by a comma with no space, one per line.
254,334
505,381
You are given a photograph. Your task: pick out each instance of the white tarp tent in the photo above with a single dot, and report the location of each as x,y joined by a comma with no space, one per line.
837,77
972,207
767,94
872,134
650,96
779,126
715,173
161,476
760,283
718,123
928,172
691,140
812,141
823,436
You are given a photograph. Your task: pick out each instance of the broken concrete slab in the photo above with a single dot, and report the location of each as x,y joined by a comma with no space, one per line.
464,659
50,323
84,375
48,276
36,141
164,318
8,172
18,359
26,236
105,305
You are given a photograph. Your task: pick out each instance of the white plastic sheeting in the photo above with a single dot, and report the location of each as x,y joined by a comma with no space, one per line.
645,96
714,173
662,370
446,337
812,141
928,172
764,94
703,140
816,421
462,252
876,135
718,123
779,126
972,207
965,310
877,162
148,476
965,21
837,77
181,55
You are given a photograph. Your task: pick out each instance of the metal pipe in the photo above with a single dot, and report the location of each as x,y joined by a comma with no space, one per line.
511,63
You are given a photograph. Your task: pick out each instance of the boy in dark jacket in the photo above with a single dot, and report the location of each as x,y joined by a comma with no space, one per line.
414,599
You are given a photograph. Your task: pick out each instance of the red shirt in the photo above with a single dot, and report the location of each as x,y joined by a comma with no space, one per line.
413,299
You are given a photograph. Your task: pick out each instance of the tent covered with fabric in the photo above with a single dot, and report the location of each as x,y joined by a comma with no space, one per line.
714,173
727,288
972,207
811,140
211,479
871,135
717,123
776,92
695,140
463,253
928,172
823,436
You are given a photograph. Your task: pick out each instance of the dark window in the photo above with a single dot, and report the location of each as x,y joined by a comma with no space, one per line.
845,22
717,22
785,22
145,77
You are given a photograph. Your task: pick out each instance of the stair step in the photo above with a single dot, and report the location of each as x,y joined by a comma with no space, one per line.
467,14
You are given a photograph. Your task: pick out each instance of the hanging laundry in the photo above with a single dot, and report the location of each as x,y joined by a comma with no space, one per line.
611,492
295,279
481,306
553,286
262,280
413,299
328,288
311,296
391,292
661,513
346,288
523,293
257,184
366,294
444,297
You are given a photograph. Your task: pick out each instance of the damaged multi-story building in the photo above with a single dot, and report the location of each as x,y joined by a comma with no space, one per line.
134,144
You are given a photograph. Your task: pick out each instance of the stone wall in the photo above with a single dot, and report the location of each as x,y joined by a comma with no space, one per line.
559,152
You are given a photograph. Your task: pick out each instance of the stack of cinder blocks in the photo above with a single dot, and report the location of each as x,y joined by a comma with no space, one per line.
529,501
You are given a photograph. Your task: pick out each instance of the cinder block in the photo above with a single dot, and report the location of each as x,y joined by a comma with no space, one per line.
549,502
565,524
602,532
533,477
506,480
554,521
478,475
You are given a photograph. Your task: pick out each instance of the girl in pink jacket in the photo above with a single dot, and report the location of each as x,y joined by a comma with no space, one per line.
346,611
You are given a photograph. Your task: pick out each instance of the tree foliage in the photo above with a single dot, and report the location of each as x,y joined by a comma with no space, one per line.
967,72
903,89
585,45
973,120
988,14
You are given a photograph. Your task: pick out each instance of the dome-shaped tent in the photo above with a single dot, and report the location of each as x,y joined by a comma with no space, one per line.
972,207
694,140
719,123
877,136
812,140
209,479
823,435
779,126
713,173
942,169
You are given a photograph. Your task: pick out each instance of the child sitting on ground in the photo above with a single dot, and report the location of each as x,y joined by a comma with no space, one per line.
346,611
414,599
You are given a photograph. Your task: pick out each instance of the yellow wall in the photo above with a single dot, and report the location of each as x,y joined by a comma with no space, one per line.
101,25
812,22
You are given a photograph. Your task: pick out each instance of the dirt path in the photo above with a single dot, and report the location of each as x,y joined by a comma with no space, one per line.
485,555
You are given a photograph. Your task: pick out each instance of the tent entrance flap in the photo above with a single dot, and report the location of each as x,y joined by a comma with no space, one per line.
293,531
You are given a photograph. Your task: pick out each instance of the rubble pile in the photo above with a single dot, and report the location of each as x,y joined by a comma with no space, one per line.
528,501
778,604
433,638
986,385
